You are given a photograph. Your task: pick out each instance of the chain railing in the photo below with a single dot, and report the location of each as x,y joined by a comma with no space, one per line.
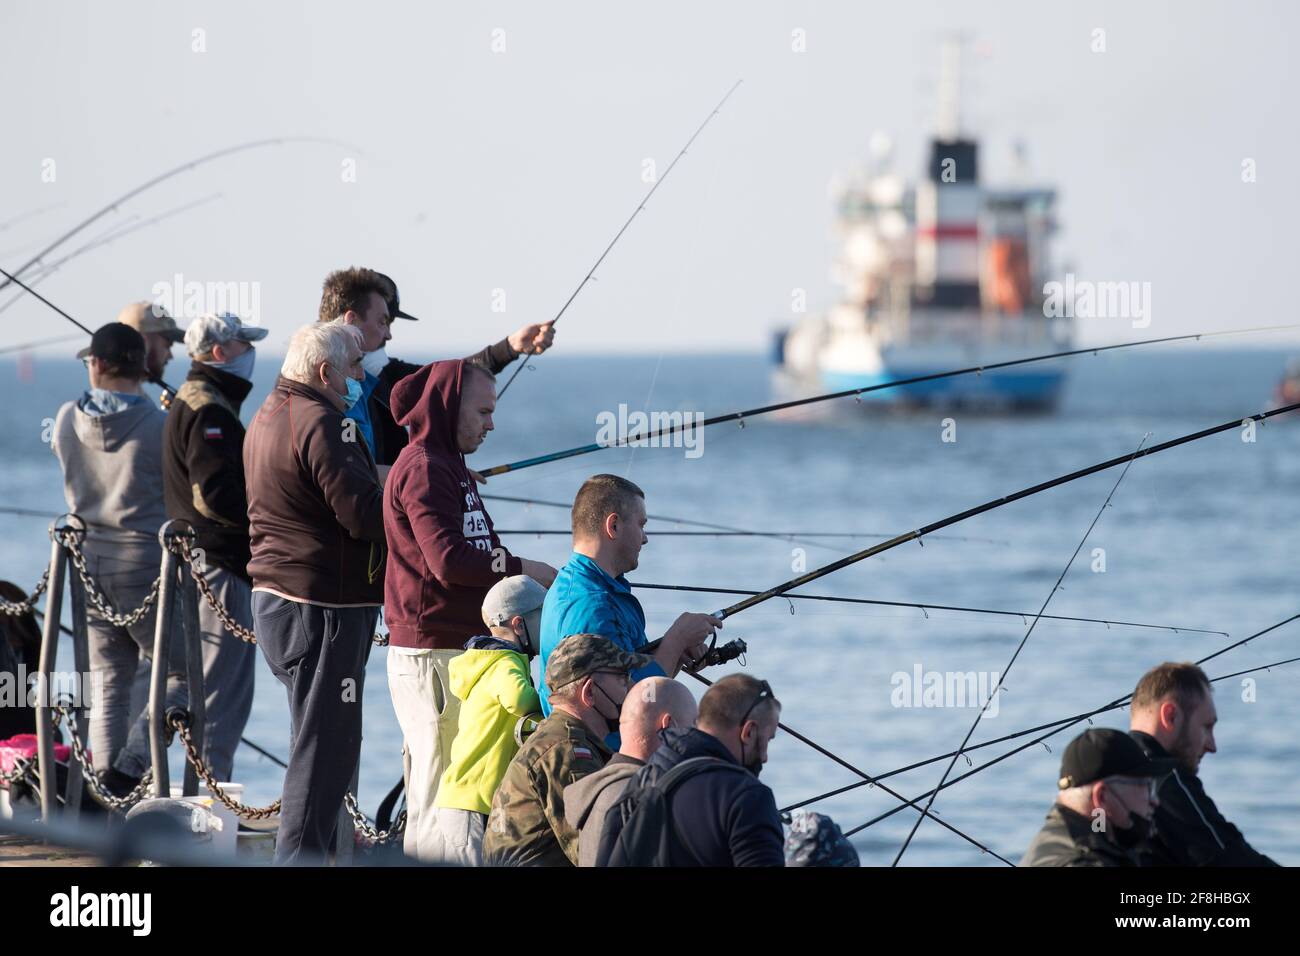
77,557
369,830
67,536
27,604
194,561
97,790
179,723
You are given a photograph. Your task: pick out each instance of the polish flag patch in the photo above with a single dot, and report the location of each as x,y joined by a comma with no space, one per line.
212,433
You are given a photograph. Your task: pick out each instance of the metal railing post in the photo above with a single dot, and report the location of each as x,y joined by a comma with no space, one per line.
49,655
81,661
193,673
158,676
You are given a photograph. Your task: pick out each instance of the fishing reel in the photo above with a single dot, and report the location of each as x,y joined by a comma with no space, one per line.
715,655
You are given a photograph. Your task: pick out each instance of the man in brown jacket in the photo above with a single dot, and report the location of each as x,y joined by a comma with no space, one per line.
316,528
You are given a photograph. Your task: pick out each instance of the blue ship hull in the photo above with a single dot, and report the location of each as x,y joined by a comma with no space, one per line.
1026,389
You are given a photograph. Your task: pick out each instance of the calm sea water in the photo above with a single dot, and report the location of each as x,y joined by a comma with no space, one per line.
1198,537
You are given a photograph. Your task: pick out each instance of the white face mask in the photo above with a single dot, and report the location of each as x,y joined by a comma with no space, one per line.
241,364
374,362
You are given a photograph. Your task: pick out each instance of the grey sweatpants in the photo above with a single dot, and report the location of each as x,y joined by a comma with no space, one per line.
119,733
229,666
319,654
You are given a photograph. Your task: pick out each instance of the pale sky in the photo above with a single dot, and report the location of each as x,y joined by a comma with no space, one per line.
479,170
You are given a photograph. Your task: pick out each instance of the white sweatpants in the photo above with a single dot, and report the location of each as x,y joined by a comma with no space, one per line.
427,712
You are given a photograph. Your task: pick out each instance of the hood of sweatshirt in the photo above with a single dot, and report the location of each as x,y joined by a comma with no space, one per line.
109,431
428,403
581,797
468,667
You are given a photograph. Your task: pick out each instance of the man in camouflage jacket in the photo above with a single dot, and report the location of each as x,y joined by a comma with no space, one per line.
588,677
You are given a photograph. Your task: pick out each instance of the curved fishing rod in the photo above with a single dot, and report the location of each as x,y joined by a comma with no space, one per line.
924,608
184,167
1015,655
1039,740
23,347
1060,724
740,417
920,533
874,781
155,379
112,235
793,536
618,235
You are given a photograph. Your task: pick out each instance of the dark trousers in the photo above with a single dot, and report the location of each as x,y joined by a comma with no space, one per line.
319,654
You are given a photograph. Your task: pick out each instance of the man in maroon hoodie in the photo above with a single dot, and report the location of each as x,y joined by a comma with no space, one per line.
443,557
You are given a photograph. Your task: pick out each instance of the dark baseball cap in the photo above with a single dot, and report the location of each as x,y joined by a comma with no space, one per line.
1102,752
118,343
394,300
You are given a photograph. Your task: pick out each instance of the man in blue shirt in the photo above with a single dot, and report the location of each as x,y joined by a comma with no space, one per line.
590,595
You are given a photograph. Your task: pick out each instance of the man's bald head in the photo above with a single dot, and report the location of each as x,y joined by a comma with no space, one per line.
652,705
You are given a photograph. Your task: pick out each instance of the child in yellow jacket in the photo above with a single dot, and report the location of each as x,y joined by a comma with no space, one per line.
493,682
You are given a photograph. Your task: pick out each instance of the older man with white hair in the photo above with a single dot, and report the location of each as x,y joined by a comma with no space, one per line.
203,484
316,524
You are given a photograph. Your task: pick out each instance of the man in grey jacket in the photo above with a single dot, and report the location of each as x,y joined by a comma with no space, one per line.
652,705
109,445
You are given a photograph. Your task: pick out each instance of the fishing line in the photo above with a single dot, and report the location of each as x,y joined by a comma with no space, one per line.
1023,615
1039,740
920,533
792,537
1021,646
641,205
740,417
1061,724
868,779
156,380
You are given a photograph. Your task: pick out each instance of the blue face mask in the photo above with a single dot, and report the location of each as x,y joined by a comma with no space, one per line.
354,394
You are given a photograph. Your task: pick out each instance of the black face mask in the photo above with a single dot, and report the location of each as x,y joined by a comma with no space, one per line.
611,723
1140,829
526,643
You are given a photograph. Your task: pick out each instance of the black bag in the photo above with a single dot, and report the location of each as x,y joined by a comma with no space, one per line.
639,828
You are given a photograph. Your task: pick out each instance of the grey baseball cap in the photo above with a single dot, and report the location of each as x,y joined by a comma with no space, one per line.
209,330
516,595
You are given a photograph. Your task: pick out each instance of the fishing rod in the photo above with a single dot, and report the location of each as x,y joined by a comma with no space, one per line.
1015,655
10,223
794,536
641,205
112,235
874,781
1039,740
1060,724
857,393
987,506
925,608
23,348
155,379
782,535
67,632
163,177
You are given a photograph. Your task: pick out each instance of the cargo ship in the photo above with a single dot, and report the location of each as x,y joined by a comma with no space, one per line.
937,273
